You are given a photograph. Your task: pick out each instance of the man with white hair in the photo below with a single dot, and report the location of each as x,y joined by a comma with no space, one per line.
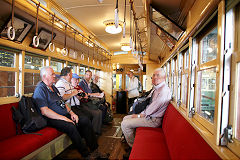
152,115
60,116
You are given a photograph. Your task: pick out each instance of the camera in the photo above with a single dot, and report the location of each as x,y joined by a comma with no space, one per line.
81,94
61,103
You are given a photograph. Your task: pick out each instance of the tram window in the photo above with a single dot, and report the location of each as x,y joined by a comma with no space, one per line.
175,85
209,46
8,72
82,70
32,62
172,77
144,82
30,82
180,71
186,59
184,88
168,75
117,81
184,83
57,66
92,70
238,106
7,59
206,93
7,84
73,66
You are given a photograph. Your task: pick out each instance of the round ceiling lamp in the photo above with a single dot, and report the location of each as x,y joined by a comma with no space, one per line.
125,47
111,28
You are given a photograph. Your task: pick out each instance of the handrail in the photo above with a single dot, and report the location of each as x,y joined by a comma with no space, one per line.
68,25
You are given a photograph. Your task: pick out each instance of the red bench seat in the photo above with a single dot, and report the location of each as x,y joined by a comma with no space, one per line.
14,146
177,139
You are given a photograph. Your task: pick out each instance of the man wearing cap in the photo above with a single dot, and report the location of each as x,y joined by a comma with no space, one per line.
67,91
75,100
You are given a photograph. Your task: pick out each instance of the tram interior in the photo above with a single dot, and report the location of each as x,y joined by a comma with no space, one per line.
196,42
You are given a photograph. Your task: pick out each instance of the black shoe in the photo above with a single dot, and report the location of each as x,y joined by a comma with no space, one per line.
128,149
126,155
98,155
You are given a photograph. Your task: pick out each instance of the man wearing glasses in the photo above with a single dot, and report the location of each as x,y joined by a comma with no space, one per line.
152,115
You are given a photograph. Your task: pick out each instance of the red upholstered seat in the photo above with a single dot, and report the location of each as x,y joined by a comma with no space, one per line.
7,125
149,144
177,139
14,146
182,139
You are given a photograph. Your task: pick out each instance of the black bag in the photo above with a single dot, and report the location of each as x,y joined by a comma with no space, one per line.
28,116
140,106
109,116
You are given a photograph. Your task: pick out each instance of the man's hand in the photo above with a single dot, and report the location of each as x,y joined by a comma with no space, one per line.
138,115
68,120
74,117
75,92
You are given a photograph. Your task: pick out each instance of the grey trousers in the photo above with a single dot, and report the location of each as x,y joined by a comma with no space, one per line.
97,118
129,125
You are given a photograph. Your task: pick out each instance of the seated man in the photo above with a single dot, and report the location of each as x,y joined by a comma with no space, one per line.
103,104
69,94
60,116
98,98
90,106
152,115
94,87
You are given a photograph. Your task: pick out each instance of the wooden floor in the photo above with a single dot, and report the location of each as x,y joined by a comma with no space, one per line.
109,142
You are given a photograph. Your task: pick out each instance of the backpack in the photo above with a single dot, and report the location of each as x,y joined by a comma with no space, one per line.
28,116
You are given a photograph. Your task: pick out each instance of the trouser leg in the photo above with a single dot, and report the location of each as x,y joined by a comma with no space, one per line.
97,119
79,110
103,108
129,125
71,130
86,131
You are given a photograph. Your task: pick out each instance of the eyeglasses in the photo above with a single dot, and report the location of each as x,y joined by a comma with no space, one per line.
156,75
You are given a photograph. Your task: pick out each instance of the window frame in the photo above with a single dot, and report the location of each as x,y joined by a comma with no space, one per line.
185,71
24,70
235,146
16,69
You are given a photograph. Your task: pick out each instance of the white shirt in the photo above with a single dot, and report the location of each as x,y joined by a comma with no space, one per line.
64,87
133,88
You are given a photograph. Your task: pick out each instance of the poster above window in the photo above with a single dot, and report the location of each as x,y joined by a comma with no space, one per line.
21,26
45,37
166,24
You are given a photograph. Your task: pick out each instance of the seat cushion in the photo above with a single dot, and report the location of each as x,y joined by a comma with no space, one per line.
7,125
149,143
183,141
17,147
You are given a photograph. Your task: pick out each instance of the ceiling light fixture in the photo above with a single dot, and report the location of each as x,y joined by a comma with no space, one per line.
110,27
125,47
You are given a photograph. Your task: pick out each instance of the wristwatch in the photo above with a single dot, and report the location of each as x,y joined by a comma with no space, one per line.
139,116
